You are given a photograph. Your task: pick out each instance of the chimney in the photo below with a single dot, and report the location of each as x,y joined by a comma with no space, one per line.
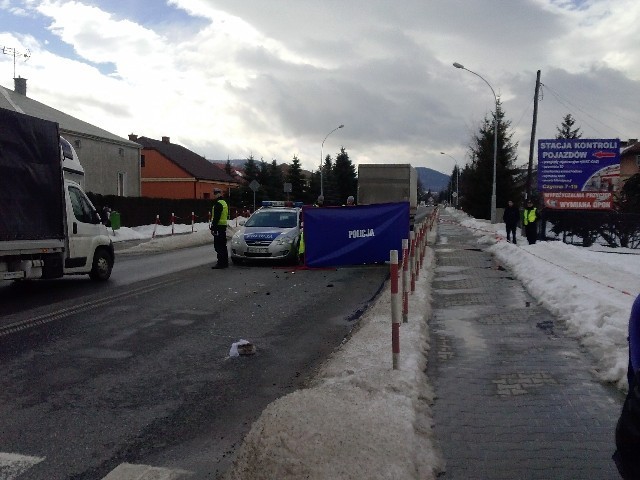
166,140
133,137
20,86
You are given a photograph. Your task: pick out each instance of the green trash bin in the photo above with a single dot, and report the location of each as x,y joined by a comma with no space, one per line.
115,220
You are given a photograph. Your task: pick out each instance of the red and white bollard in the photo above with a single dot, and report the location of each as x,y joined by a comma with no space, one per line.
173,222
395,309
155,226
412,254
405,280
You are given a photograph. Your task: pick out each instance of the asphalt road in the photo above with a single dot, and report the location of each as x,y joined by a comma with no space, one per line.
138,371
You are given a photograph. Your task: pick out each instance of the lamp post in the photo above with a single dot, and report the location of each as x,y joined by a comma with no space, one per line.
457,177
322,159
495,141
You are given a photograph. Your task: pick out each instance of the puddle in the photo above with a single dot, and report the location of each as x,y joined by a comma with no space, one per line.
546,326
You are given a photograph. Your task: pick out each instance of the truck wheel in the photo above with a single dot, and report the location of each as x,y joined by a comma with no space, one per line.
102,265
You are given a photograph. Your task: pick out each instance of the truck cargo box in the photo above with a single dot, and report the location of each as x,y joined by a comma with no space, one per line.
31,181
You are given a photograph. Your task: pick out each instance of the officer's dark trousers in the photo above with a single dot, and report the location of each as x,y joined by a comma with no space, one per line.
220,246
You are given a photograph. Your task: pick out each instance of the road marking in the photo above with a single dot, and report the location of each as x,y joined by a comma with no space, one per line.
65,312
128,471
12,465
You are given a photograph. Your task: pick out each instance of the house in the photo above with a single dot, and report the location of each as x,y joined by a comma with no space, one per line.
111,163
629,160
169,170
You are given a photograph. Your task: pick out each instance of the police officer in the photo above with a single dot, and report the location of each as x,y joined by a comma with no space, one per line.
219,216
530,222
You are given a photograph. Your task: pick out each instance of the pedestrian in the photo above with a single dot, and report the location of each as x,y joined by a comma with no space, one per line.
219,216
510,219
319,202
106,216
530,222
627,454
351,201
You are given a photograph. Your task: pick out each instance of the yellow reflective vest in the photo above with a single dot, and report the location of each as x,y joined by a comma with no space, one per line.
224,215
530,216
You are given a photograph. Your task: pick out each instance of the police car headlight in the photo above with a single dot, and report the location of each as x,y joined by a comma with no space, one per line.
284,240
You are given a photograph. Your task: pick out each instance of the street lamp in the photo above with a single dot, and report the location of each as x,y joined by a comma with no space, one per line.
322,160
457,177
495,142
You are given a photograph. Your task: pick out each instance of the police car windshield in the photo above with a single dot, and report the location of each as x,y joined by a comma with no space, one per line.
272,219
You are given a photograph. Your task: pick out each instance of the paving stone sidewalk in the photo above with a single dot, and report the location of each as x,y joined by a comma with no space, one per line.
515,395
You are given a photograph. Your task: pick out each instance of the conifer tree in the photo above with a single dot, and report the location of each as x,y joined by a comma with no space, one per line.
566,130
476,180
295,178
344,177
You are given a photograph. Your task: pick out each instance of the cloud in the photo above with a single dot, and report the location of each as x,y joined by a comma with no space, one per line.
228,78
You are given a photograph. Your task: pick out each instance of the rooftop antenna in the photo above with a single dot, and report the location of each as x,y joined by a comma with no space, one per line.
16,53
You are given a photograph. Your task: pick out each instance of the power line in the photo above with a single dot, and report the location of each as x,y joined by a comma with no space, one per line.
570,105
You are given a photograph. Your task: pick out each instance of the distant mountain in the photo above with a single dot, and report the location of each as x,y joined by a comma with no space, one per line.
432,179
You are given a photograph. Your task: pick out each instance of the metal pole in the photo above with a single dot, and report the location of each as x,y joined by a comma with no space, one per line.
322,159
457,169
495,140
533,135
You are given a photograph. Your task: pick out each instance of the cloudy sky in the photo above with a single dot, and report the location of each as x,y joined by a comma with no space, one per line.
230,78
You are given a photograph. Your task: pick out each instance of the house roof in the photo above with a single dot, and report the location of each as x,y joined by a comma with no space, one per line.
634,149
194,164
18,102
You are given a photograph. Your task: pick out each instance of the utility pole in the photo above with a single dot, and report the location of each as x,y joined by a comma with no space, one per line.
533,135
14,52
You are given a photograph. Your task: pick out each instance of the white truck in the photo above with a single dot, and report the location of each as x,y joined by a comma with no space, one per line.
48,226
387,183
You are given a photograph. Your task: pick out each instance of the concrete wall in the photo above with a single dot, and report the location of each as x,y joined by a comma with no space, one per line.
103,160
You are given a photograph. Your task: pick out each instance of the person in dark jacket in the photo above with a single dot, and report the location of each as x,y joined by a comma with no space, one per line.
530,222
627,455
219,216
510,218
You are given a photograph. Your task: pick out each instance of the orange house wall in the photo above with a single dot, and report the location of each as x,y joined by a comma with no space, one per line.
158,166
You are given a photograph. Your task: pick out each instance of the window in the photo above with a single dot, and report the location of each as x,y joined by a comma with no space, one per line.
121,183
77,143
121,152
67,151
81,208
142,160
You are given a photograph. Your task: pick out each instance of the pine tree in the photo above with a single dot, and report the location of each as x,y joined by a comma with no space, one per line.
566,130
476,180
344,177
227,167
328,183
250,169
295,178
275,182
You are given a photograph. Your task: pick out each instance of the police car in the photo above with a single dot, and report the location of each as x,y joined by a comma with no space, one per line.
271,233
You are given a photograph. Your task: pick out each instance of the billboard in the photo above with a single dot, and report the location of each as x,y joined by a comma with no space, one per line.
578,173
